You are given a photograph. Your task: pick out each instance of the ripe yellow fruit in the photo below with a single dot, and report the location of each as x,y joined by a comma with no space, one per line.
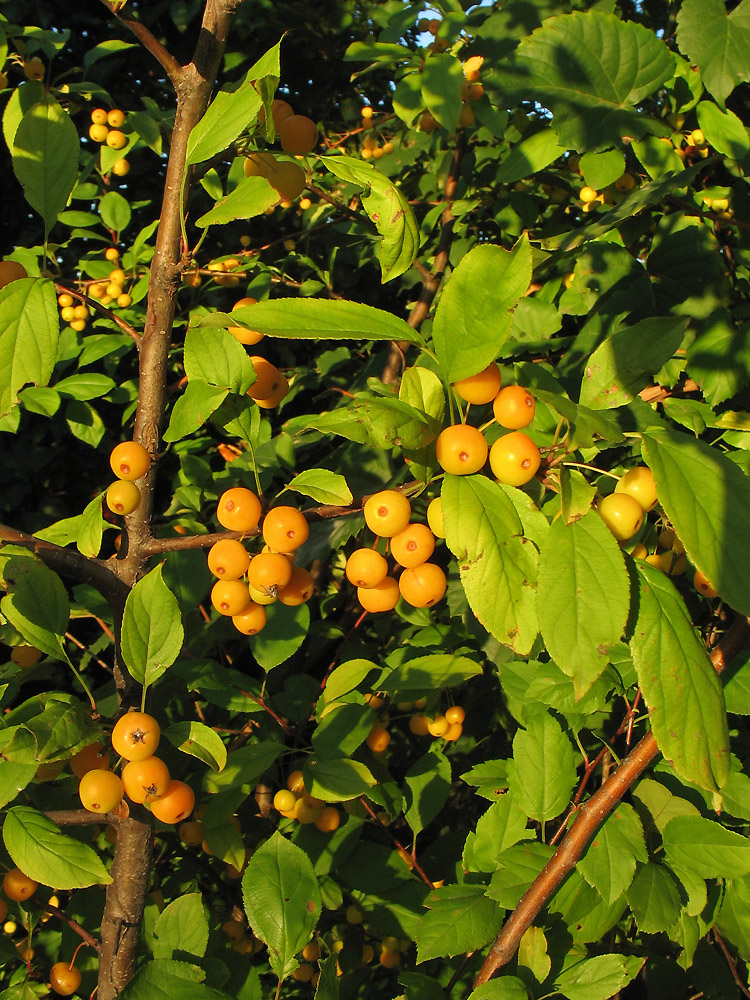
121,167
116,139
639,483
242,334
115,118
99,116
33,69
260,165
588,194
298,134
622,514
98,133
387,512
482,387
289,180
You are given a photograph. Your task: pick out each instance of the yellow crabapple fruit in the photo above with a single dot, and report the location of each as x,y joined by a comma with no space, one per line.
413,546
461,449
228,559
122,497
514,459
482,387
514,407
622,514
230,597
135,736
300,588
382,597
252,620
423,585
238,509
639,483
435,517
703,585
298,134
285,529
387,512
366,568
129,460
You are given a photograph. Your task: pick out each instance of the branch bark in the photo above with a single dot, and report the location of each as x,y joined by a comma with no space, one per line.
590,817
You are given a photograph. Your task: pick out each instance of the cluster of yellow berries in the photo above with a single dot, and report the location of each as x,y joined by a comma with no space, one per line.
294,802
371,148
145,778
76,316
421,583
106,127
298,135
111,291
447,726
221,272
129,461
245,584
592,199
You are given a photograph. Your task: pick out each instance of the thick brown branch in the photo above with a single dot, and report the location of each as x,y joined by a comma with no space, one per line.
80,817
590,817
69,563
170,65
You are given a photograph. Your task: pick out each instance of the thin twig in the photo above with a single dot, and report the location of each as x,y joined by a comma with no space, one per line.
407,856
171,66
95,304
731,962
90,940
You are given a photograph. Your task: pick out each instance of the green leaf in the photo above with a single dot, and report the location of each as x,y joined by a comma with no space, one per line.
624,364
45,158
576,494
517,868
29,331
346,677
542,773
706,497
591,69
21,100
532,154
659,158
181,927
654,899
317,319
323,486
218,358
442,78
328,984
152,630
429,673
733,922
609,862
497,564
282,901
85,385
244,766
115,211
422,389
702,846
193,408
36,605
601,169
679,685
716,42
251,197
427,785
336,779
342,730
234,109
598,978
13,779
199,741
285,631
583,598
505,988
502,826
163,979
48,856
389,210
532,953
660,803
719,357
472,320
89,540
461,918
723,129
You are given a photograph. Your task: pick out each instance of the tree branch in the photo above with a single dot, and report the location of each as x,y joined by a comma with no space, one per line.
170,65
73,924
590,817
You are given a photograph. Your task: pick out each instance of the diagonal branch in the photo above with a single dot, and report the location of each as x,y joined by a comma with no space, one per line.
170,65
590,817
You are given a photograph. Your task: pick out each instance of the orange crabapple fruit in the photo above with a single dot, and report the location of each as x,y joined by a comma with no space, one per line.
284,801
280,111
382,597
92,756
115,118
455,714
99,116
175,804
413,546
136,736
116,139
268,378
145,780
272,401
98,133
622,514
438,726
289,180
259,165
378,739
366,568
261,597
423,585
242,334
298,134
238,509
514,407
122,497
461,449
129,460
482,387
285,529
669,540
639,483
252,620
10,270
703,585
387,512
228,559
269,572
328,820
100,791
18,886
25,656
419,725
514,459
299,590
435,517
230,597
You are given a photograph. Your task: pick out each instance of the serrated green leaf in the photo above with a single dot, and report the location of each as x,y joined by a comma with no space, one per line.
45,158
182,926
706,497
497,564
251,197
472,320
323,486
193,408
115,210
427,785
342,730
336,779
598,978
517,868
702,846
442,78
662,804
609,862
583,598
654,898
318,319
218,358
717,42
162,978
733,922
36,605
282,901
199,741
284,632
89,540
679,685
430,673
532,154
48,856
601,169
505,988
542,773
723,129
502,826
29,332
152,630
461,918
